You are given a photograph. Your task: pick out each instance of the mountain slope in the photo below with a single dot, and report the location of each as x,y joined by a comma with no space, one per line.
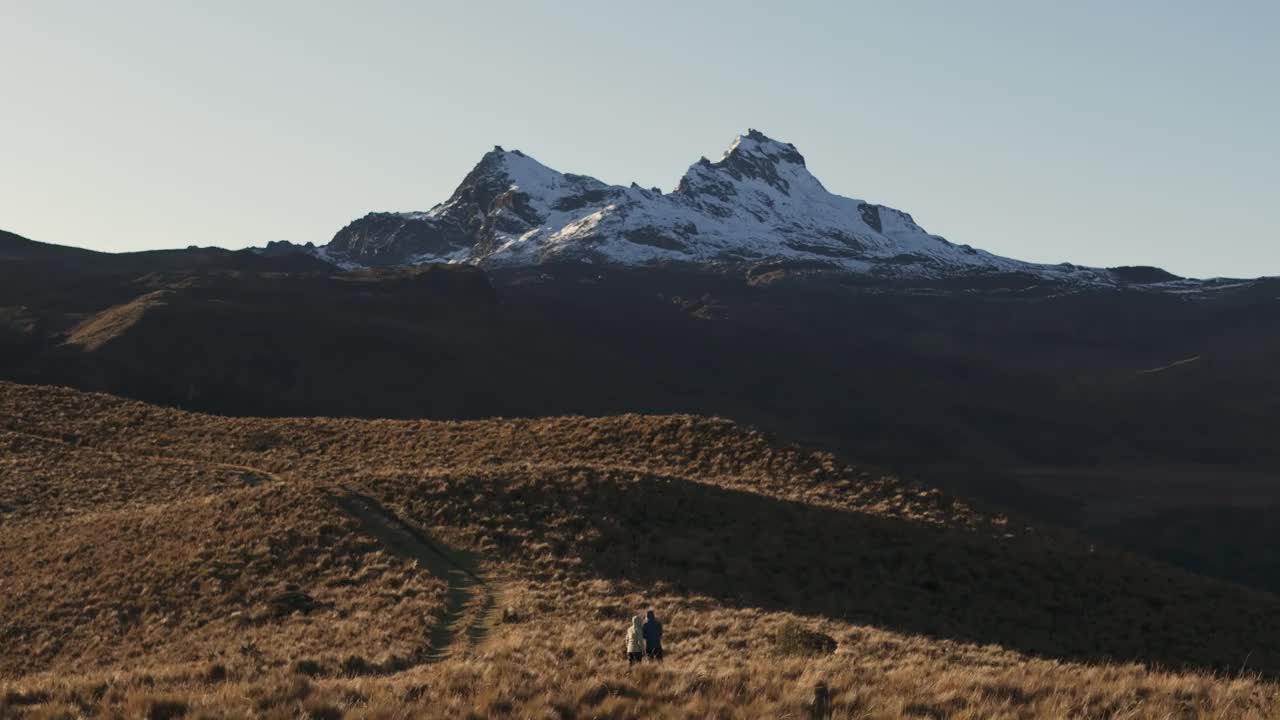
235,582
700,503
17,247
37,259
758,202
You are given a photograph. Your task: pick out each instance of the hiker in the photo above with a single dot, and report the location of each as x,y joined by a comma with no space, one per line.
653,637
635,641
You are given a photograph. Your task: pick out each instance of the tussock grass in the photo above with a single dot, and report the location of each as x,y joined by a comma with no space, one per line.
164,564
572,669
245,579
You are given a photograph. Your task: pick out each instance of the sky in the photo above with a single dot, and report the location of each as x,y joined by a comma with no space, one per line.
1101,133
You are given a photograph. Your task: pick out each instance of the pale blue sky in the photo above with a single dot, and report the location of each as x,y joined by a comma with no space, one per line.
1102,133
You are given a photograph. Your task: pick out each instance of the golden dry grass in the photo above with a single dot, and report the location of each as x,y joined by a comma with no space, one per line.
145,551
47,478
102,328
564,663
207,579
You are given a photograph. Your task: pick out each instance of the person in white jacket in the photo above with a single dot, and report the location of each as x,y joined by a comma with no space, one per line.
635,641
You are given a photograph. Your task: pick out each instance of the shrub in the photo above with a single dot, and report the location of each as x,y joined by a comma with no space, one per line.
262,441
16,698
306,667
796,639
158,708
317,710
355,665
216,673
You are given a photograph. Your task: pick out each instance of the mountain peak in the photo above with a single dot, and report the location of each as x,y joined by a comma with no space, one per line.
756,144
758,202
498,172
753,156
499,157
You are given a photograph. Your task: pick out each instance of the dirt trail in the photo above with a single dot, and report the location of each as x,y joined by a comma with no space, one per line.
471,604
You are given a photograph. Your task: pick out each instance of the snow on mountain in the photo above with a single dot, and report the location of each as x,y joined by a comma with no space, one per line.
758,202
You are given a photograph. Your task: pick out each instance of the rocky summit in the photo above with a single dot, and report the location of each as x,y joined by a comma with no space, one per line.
758,202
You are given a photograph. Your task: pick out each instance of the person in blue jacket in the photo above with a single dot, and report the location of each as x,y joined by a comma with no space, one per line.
653,637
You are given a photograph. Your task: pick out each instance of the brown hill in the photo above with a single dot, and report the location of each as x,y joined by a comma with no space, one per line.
967,385
158,562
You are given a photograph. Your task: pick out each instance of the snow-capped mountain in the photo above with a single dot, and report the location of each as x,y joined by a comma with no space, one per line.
758,202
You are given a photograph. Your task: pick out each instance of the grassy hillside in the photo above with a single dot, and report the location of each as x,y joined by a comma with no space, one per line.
160,563
961,384
113,560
